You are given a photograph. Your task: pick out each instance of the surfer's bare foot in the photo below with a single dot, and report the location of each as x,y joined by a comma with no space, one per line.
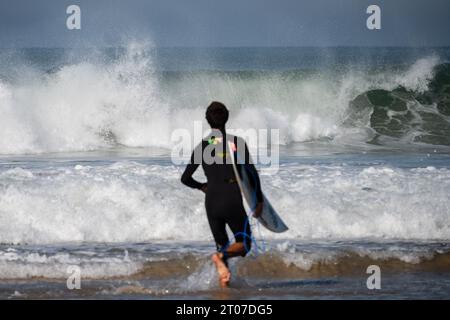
222,270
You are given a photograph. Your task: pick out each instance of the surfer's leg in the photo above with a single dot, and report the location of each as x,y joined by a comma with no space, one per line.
220,259
218,229
222,270
241,229
236,249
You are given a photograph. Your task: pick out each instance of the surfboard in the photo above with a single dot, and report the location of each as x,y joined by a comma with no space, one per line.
269,217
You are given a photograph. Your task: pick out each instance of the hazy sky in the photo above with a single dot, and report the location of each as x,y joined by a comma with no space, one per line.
42,23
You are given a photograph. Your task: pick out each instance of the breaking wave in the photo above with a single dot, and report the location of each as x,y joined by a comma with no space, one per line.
101,102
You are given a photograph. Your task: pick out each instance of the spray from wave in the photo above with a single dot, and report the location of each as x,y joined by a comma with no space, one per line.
99,102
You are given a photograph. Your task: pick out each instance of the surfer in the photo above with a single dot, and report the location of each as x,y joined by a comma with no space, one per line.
223,200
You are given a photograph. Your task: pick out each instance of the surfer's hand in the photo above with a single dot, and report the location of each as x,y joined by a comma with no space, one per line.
258,210
204,188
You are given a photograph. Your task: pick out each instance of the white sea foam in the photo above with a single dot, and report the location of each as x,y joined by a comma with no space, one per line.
21,265
93,105
133,202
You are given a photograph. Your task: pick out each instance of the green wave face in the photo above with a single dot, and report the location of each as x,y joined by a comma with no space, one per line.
401,114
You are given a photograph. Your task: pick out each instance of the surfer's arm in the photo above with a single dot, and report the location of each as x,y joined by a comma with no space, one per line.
186,177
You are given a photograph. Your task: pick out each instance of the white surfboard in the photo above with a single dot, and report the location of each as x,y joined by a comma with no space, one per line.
269,217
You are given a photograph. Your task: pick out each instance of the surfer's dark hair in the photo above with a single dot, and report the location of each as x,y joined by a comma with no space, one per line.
217,115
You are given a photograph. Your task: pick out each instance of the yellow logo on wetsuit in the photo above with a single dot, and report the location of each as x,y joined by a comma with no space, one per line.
217,140
214,140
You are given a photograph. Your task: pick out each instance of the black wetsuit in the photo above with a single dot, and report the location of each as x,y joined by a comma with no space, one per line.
223,199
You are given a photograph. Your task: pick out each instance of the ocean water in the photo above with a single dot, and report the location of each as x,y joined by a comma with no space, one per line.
86,177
